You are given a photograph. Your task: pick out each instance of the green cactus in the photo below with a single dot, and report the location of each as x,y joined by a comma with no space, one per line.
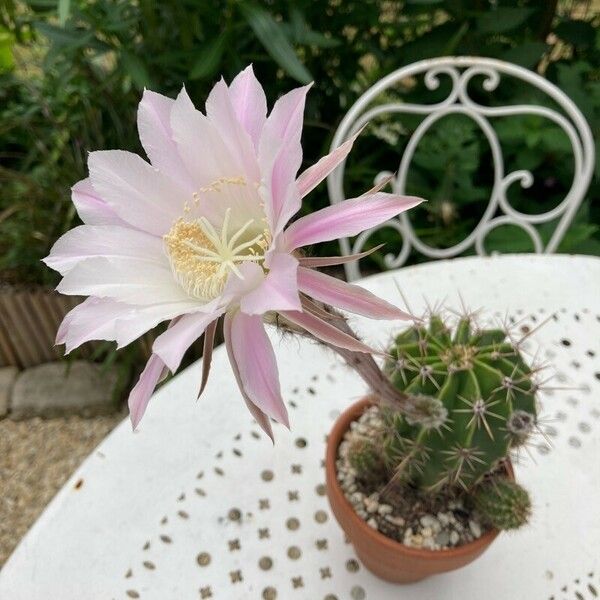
487,405
503,503
367,459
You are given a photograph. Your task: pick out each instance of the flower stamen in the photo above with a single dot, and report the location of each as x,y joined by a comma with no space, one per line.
202,258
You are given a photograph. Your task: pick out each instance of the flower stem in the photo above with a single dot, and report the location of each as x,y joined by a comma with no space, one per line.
361,362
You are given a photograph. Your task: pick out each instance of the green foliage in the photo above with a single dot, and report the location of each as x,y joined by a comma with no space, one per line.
488,396
71,74
503,503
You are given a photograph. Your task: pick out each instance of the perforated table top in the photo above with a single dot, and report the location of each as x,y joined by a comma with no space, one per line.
198,504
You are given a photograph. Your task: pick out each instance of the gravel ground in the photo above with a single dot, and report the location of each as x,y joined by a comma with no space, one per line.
36,458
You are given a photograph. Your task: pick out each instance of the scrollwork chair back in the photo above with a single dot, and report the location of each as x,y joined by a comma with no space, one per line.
460,71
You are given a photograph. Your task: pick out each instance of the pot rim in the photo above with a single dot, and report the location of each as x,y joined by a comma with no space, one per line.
334,439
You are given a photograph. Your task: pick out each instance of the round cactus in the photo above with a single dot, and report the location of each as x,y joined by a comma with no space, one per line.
366,459
485,403
503,503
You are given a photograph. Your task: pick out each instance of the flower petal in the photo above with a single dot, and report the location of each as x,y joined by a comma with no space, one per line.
173,343
136,191
154,127
110,241
280,156
235,288
329,261
255,359
326,332
249,102
207,351
309,179
346,219
277,291
127,280
91,209
222,115
199,144
346,296
105,319
206,156
140,395
261,418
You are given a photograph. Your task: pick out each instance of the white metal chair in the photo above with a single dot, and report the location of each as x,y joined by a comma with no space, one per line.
460,71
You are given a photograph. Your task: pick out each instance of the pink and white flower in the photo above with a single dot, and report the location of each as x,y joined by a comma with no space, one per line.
201,232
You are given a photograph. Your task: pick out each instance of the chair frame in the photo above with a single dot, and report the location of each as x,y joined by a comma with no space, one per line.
460,71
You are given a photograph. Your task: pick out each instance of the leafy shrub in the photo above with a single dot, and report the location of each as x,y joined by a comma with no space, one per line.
71,73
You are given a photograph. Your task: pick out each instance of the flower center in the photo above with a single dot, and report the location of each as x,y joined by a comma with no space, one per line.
202,258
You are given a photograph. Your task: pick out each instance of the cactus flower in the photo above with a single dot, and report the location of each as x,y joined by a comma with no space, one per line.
202,232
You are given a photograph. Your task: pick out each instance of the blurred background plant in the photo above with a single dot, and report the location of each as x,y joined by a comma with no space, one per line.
72,71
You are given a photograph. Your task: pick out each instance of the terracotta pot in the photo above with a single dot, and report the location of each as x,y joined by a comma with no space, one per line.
384,557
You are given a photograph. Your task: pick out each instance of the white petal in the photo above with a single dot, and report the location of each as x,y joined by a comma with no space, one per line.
136,191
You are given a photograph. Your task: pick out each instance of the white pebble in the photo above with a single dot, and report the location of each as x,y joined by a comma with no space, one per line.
454,538
475,528
431,522
429,543
385,509
372,523
443,518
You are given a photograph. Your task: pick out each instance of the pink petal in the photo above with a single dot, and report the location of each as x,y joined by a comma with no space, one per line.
136,191
91,209
346,296
329,261
277,291
105,319
154,127
141,393
128,280
249,102
221,113
280,156
255,360
110,241
199,144
310,178
235,288
326,332
347,218
207,351
257,413
171,345
208,158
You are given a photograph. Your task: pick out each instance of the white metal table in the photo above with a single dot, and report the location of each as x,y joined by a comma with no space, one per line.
198,505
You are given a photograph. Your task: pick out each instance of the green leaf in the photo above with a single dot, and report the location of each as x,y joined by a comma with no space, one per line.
300,31
64,37
578,33
209,58
273,38
527,54
7,42
136,69
64,10
502,19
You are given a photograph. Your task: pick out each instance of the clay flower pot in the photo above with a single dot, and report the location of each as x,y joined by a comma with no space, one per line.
384,557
